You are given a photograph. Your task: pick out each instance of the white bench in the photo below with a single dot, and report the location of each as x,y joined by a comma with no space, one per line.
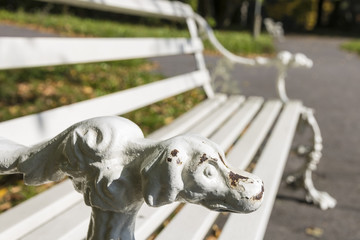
244,127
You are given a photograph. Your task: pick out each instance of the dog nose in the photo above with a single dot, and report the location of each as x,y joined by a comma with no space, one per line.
251,186
260,195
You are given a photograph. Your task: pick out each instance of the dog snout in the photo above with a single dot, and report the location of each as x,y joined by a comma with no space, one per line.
260,194
250,186
255,190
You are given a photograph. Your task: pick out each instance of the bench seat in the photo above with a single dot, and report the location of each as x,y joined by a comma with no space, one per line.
239,125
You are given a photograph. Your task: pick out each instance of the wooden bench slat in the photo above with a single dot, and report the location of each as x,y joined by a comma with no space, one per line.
245,149
156,8
18,52
212,121
65,225
43,207
150,218
42,126
232,129
185,121
253,226
181,228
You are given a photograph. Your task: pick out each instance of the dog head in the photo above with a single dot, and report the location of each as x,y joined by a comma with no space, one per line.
193,169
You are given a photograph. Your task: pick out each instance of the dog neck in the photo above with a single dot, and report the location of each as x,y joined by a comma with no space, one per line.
117,224
111,225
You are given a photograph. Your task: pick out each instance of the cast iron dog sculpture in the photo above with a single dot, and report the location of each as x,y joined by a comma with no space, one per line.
116,169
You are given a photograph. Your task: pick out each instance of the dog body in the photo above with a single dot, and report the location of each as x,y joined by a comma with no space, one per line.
116,169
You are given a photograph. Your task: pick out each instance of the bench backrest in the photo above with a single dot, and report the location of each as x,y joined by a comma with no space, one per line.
18,52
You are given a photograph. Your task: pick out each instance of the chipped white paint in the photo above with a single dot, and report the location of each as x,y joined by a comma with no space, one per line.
116,169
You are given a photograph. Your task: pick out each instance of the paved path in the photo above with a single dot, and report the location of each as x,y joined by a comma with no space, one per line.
332,87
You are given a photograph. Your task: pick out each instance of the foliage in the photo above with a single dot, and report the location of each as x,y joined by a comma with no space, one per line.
301,12
243,43
352,46
69,25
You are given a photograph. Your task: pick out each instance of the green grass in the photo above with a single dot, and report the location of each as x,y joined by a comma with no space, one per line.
242,43
352,46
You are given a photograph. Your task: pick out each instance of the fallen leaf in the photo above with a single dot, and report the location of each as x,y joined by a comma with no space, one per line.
5,206
314,231
3,192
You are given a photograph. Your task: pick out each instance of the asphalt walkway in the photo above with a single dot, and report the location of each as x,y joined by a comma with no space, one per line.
332,88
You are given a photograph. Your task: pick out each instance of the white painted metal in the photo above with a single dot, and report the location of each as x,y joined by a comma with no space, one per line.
228,133
43,207
275,29
158,172
212,122
199,57
188,119
284,61
312,155
17,52
205,27
248,144
42,126
273,158
154,8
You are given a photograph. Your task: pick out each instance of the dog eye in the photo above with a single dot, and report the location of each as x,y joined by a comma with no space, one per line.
210,171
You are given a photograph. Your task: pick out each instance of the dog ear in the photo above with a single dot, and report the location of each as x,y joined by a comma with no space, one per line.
161,178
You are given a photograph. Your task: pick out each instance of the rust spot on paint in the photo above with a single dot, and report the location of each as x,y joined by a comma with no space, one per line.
203,158
169,159
234,177
174,152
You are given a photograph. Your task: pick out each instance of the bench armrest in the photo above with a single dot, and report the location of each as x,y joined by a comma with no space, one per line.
282,61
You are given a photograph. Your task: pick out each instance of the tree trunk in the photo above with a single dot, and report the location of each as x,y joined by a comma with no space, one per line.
257,19
319,13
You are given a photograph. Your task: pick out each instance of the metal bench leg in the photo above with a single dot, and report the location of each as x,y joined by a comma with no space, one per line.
312,155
